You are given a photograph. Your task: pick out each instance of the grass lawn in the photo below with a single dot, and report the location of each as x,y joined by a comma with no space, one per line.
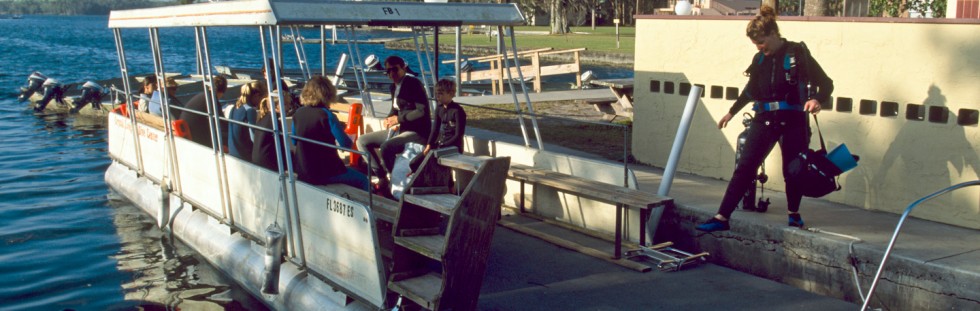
601,39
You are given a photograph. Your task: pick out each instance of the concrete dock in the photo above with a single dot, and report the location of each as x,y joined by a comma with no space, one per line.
933,266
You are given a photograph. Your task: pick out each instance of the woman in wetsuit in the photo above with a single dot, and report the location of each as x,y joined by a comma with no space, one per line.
785,83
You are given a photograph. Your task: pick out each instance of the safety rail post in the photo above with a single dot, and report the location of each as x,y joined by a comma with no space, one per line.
458,50
675,157
898,227
292,214
359,75
520,76
172,179
278,123
213,107
130,108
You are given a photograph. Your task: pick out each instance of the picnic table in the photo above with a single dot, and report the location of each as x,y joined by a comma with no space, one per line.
622,89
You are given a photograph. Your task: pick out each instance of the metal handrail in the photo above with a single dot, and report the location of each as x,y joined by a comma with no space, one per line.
898,227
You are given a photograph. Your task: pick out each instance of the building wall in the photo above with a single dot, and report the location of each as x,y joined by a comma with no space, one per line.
906,101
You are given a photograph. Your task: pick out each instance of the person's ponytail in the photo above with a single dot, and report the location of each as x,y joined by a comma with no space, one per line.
763,24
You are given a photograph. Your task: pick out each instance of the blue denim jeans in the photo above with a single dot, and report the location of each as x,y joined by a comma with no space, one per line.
351,178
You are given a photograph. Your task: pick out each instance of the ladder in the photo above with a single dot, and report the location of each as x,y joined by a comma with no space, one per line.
667,257
442,240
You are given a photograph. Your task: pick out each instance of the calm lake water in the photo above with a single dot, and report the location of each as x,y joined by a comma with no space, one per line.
66,242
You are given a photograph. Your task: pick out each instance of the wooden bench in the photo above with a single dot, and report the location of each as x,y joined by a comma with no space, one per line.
623,197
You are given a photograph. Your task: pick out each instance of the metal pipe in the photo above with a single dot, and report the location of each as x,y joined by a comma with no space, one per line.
675,156
214,104
171,177
292,211
323,50
510,83
459,43
527,98
359,74
130,108
418,54
278,136
300,52
898,227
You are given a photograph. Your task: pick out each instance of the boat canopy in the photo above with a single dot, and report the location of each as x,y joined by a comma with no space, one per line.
318,12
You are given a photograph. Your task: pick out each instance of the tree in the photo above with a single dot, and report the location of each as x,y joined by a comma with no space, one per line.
559,18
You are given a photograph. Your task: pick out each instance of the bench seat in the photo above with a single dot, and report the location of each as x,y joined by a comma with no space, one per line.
623,197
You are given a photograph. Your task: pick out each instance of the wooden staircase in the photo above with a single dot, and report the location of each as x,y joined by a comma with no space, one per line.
442,240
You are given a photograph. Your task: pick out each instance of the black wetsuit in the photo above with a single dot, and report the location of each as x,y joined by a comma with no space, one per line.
778,89
449,127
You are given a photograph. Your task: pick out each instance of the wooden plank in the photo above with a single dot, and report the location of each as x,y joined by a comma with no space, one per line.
563,51
442,203
561,242
498,56
423,290
432,246
463,162
590,188
470,233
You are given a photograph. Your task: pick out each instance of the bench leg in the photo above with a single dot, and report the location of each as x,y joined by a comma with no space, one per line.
619,232
521,198
644,214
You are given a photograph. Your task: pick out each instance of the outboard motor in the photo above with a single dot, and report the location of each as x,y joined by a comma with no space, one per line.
52,90
373,64
34,83
91,93
748,200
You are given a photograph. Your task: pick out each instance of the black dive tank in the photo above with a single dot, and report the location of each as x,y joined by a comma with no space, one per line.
748,200
34,83
52,90
91,94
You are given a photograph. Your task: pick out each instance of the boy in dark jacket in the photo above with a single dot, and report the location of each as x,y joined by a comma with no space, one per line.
450,119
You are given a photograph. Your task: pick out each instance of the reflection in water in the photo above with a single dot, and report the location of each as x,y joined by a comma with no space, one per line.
166,273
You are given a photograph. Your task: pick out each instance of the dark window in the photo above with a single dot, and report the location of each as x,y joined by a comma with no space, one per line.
844,104
889,109
915,112
668,87
716,91
685,88
654,86
967,117
731,93
702,89
827,105
868,107
938,114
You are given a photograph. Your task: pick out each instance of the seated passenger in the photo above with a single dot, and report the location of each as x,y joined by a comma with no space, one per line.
240,136
264,142
149,87
197,120
317,164
171,86
409,118
450,119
